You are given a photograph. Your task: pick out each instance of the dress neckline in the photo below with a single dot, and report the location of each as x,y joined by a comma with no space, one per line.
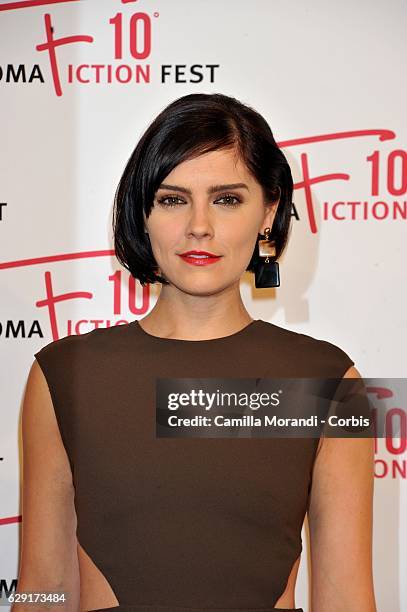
240,332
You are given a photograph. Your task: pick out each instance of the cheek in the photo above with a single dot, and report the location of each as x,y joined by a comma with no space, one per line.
166,236
239,239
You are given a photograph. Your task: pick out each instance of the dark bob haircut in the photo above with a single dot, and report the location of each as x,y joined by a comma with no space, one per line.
190,126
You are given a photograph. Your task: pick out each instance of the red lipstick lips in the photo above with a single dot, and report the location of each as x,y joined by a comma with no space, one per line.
199,258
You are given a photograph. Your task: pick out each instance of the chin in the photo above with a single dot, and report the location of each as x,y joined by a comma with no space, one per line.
200,286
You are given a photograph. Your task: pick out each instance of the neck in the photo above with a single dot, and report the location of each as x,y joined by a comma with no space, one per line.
196,317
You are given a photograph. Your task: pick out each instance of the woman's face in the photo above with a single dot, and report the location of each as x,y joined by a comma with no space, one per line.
199,207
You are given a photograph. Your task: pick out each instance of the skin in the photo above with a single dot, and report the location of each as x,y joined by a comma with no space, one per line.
340,520
199,303
205,302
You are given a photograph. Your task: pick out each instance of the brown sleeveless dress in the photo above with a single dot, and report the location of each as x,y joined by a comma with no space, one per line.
183,524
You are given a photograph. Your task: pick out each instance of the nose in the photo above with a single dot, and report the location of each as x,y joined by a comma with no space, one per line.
199,223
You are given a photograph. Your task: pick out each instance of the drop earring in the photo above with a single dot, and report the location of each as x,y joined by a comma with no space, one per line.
266,272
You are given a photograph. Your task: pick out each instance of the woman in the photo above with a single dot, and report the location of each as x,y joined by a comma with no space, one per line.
119,518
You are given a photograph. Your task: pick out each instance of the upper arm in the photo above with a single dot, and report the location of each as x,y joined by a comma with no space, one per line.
48,559
340,521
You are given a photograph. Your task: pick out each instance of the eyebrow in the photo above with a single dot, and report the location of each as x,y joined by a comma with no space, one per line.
211,189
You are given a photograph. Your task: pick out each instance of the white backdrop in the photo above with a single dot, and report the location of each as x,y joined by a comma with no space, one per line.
330,79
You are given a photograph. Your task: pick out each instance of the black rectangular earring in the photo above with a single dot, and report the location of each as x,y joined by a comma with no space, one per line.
267,273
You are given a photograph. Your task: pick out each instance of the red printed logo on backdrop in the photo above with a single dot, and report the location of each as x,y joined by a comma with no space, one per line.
390,168
136,29
394,427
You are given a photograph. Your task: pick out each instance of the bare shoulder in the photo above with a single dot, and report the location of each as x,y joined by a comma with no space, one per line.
39,425
48,558
340,518
352,372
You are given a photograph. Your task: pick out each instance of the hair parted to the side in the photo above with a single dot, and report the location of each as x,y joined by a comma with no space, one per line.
190,126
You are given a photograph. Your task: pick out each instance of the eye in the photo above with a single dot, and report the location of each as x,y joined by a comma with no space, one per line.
163,201
229,197
230,200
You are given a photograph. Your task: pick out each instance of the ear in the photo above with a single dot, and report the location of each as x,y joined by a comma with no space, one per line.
270,213
271,208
